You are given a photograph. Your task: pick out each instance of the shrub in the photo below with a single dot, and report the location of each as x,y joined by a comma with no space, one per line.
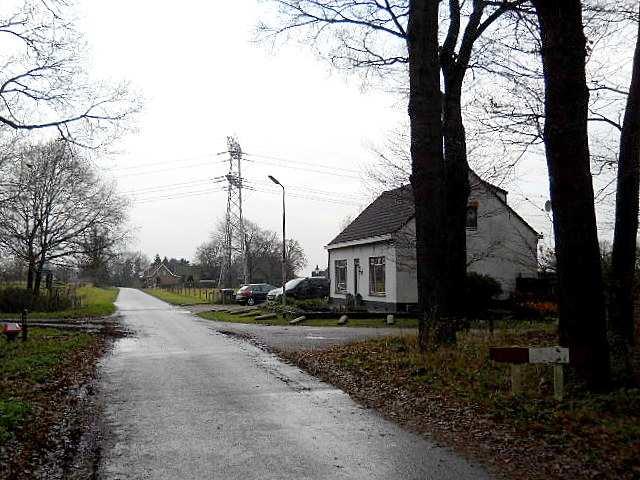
312,305
14,300
480,291
276,307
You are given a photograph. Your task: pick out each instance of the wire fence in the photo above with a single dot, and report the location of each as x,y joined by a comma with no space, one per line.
207,295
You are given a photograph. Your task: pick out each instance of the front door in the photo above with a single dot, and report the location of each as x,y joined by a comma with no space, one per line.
356,274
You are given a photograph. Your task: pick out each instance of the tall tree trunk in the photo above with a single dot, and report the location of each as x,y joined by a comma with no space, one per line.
623,260
31,268
37,282
581,299
38,275
428,175
457,197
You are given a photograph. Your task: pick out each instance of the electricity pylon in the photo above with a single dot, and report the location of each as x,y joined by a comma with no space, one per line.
234,239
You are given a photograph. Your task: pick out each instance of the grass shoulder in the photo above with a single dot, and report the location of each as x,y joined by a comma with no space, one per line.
95,302
175,298
329,321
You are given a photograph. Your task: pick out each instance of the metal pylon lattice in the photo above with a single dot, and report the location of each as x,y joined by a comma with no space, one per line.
235,240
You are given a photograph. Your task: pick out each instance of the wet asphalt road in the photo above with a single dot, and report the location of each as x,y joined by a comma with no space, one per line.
183,401
302,337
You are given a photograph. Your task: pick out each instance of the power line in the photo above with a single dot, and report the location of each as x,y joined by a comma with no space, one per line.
296,162
194,193
155,170
306,197
315,191
168,186
166,162
306,169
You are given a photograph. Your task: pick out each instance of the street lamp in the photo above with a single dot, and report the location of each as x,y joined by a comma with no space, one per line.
284,251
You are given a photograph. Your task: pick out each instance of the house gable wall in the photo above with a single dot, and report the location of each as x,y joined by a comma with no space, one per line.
503,246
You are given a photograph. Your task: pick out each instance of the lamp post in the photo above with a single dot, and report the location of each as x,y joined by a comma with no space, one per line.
284,245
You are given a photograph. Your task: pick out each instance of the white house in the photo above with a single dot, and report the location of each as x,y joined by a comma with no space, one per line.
374,256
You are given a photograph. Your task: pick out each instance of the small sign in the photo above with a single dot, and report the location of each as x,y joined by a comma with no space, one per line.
549,355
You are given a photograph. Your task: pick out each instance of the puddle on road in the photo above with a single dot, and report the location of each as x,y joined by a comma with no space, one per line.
127,344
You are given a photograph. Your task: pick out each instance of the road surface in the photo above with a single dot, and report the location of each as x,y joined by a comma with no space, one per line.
183,401
303,337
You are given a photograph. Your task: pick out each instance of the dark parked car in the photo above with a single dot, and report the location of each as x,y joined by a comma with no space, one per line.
303,289
253,293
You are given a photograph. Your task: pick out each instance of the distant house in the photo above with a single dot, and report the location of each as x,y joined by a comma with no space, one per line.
375,256
160,276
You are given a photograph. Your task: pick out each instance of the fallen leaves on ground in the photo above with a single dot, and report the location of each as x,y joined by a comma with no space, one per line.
459,397
49,375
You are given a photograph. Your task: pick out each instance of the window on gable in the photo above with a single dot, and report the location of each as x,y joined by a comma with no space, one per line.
377,276
472,217
341,276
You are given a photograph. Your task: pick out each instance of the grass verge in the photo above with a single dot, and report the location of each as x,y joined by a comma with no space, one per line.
316,322
462,398
175,298
96,302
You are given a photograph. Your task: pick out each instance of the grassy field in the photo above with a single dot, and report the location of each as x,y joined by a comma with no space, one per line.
458,394
331,321
96,302
27,368
177,298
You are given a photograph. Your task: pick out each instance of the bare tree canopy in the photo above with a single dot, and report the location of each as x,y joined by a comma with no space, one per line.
57,203
264,255
42,80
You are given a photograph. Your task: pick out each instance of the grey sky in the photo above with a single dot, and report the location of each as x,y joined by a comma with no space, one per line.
203,79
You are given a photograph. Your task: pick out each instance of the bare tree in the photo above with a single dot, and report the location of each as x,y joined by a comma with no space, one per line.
264,255
374,36
56,208
428,169
127,268
581,299
42,80
626,224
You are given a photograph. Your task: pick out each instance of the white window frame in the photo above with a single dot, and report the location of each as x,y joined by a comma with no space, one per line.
340,286
376,264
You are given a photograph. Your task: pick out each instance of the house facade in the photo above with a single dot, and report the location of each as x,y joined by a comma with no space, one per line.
375,257
160,276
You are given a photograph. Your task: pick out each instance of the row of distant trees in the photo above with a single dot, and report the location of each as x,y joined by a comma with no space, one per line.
556,77
263,252
56,212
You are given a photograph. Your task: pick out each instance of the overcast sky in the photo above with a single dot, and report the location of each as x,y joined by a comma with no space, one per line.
202,79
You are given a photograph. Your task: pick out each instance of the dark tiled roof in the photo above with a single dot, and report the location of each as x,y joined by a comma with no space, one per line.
387,214
392,210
